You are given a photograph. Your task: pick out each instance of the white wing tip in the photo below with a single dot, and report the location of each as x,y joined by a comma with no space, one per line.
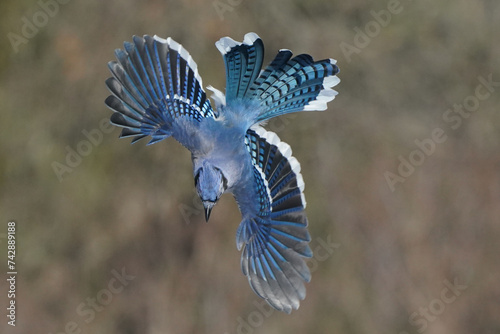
286,151
225,44
327,94
295,166
301,185
250,38
173,45
269,136
161,40
217,96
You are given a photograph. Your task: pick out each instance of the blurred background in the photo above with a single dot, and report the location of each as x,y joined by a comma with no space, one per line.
402,172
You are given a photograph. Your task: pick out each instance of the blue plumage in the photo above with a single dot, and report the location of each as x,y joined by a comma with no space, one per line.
157,92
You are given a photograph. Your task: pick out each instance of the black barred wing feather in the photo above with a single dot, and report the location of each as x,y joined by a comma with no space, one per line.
286,85
155,82
295,84
243,62
275,240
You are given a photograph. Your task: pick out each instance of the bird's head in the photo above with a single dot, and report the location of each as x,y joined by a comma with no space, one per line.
210,184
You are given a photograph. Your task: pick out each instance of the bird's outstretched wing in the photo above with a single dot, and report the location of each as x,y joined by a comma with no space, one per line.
286,85
275,240
157,90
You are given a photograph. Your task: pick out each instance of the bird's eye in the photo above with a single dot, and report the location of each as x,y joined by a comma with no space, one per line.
224,180
197,176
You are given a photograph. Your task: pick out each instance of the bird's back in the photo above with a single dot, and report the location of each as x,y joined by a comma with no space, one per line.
223,145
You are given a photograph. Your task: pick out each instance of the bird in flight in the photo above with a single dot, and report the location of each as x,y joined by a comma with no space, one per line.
157,92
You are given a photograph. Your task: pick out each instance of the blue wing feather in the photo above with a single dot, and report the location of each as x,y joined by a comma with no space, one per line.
155,82
286,85
243,62
299,84
275,239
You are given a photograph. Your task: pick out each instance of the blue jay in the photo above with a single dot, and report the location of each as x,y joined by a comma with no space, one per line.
157,92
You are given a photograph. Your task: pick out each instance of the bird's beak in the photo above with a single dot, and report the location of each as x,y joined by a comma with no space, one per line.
208,205
208,210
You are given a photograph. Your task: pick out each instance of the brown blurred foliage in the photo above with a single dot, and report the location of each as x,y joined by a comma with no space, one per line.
122,206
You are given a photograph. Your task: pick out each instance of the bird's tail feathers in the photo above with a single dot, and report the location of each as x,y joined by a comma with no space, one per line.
286,85
295,84
243,62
